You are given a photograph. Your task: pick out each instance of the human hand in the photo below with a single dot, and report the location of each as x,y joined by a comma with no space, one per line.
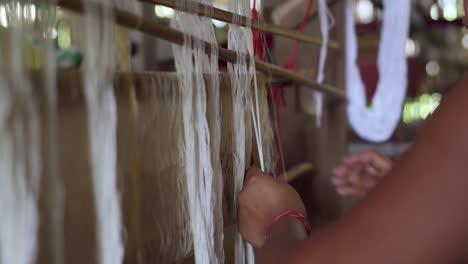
360,173
261,200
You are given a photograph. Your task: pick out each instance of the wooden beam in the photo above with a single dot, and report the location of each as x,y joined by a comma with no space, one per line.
228,17
297,172
153,28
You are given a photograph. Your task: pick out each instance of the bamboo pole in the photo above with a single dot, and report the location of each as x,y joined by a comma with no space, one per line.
153,28
228,17
297,172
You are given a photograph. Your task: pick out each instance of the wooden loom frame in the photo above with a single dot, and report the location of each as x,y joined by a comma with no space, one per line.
228,17
71,102
152,27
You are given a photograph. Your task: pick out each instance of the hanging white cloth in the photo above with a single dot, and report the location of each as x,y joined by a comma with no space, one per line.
378,122
326,23
191,63
98,70
20,149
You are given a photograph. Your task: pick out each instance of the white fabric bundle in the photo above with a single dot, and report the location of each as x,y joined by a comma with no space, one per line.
20,162
214,120
378,123
191,63
100,51
243,75
326,23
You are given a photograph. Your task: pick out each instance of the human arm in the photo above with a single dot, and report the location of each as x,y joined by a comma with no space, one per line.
418,214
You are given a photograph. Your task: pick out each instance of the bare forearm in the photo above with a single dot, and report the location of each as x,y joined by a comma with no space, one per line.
417,214
285,235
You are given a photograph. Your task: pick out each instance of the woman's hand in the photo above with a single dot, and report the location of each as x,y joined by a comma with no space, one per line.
360,173
261,200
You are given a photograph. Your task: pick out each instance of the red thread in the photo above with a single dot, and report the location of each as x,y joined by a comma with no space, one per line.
277,97
278,93
294,214
259,50
292,60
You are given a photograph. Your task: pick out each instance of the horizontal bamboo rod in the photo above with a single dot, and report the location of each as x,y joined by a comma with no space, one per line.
228,17
297,172
149,26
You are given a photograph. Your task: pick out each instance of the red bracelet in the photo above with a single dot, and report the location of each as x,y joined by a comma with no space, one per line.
294,214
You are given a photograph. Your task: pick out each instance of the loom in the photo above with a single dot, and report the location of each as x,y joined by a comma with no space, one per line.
111,166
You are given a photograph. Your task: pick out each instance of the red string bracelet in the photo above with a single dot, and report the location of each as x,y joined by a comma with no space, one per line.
294,214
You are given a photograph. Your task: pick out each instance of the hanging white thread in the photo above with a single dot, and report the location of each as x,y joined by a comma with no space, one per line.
100,50
377,124
326,22
255,112
212,71
240,83
275,111
20,163
214,199
242,75
199,170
